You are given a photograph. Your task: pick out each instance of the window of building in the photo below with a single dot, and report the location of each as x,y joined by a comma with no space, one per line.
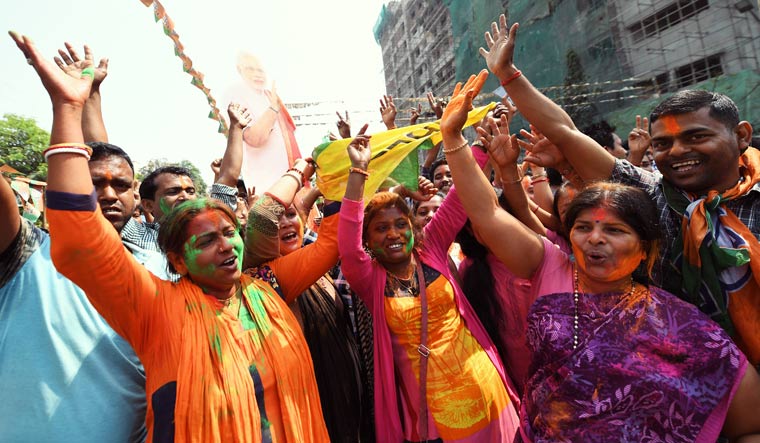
667,17
698,71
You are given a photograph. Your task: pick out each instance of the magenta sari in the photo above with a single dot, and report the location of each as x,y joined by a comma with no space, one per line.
648,368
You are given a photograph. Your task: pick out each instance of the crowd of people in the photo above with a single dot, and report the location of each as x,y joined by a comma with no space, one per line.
554,287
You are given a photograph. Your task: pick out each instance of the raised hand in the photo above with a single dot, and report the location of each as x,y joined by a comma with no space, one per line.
415,114
436,105
216,166
388,111
358,150
239,115
344,125
64,88
505,107
71,63
501,146
541,152
639,139
455,115
501,48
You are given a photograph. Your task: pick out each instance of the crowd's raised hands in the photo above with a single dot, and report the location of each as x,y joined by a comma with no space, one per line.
455,115
414,114
388,111
71,63
70,87
344,125
437,105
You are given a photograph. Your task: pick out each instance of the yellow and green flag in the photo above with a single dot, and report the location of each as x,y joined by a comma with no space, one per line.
394,155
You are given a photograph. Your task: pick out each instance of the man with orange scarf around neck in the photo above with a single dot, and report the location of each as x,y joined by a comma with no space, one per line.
218,345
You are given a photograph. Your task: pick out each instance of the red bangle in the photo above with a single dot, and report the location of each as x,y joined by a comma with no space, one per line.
513,77
539,180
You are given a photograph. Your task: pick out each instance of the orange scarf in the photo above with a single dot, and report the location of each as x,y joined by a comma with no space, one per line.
216,400
714,239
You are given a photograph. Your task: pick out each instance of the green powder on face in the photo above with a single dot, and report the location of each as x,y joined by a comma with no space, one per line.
191,259
237,247
165,208
409,241
378,251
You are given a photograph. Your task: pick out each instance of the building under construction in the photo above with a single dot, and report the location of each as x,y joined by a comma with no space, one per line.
616,58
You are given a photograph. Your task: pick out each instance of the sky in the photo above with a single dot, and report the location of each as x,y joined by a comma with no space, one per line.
315,51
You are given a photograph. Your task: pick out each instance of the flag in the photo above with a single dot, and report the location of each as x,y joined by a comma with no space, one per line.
394,155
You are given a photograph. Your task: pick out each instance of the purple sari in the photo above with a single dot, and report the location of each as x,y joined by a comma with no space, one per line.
648,368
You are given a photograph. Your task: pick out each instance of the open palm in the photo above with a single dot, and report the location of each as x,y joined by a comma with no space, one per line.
63,88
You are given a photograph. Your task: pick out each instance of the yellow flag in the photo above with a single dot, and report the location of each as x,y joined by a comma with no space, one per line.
389,149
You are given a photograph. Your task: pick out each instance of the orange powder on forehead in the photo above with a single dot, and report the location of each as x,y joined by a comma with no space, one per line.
599,214
109,176
671,124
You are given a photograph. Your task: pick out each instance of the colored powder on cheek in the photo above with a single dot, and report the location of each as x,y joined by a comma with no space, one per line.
191,259
409,241
237,247
626,266
165,208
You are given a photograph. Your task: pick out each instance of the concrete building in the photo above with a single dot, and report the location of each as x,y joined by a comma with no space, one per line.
417,47
676,44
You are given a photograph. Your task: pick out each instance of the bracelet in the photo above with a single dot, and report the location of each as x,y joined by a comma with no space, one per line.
452,150
69,145
68,148
359,171
534,209
513,182
300,182
539,180
543,174
276,111
512,78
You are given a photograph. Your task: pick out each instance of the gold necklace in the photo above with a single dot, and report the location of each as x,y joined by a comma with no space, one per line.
412,287
576,285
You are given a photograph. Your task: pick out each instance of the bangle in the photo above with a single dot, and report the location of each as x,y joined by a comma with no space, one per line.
452,150
512,78
300,183
68,148
543,174
539,180
299,172
513,182
359,171
276,111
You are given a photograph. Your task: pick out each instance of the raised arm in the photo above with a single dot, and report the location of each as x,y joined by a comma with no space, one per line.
93,126
504,152
590,160
514,244
355,263
121,289
262,242
10,220
232,162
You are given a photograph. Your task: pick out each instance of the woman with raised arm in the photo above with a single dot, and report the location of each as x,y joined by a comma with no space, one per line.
225,359
612,359
437,374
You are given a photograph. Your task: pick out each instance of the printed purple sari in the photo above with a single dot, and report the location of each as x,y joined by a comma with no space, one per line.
648,368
